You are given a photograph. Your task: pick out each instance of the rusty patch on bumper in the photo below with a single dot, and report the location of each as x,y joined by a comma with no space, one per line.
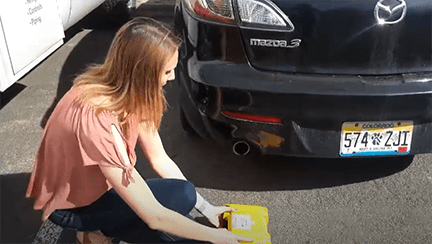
266,139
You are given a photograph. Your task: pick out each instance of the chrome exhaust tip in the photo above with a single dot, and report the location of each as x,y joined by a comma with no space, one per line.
241,148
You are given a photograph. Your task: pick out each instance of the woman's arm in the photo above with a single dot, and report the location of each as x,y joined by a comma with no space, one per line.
142,201
162,164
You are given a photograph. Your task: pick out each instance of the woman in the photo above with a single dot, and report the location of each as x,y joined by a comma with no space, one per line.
80,179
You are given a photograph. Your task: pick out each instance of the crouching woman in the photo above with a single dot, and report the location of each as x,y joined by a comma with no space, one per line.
84,176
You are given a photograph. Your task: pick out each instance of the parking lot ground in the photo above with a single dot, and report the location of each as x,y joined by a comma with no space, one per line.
381,200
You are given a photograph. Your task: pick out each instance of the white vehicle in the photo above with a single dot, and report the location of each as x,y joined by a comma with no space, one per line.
30,30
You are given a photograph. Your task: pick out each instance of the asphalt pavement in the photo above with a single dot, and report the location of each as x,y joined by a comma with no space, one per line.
383,200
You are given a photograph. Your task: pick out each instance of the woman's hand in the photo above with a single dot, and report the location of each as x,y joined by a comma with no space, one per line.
224,236
214,214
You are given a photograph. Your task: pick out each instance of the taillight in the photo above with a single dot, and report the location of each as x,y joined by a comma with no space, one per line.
262,12
220,10
251,13
253,118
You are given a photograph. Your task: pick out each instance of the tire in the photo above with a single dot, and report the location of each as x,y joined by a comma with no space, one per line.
186,125
119,11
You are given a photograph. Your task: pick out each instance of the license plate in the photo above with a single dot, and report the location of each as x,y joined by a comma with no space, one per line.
376,138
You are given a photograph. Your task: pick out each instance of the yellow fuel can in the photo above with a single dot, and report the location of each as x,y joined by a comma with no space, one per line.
249,221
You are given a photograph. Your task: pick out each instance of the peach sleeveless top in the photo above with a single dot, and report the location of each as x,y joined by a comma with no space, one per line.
76,142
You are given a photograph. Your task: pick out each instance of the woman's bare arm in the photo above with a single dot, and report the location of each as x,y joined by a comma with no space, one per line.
162,164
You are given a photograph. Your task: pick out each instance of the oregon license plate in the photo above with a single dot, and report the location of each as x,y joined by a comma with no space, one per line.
376,138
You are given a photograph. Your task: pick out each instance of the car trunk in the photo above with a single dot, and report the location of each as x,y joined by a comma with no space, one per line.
344,37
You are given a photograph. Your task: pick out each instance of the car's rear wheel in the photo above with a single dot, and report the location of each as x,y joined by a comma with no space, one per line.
186,125
119,11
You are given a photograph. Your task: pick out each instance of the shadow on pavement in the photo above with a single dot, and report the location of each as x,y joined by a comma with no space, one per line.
19,222
10,93
216,168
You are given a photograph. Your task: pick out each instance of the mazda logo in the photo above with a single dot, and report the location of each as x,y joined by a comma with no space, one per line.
389,12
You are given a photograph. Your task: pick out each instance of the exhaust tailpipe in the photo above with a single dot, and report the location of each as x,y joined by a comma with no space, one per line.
241,148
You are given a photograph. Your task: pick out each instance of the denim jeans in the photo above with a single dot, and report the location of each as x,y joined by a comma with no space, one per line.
114,218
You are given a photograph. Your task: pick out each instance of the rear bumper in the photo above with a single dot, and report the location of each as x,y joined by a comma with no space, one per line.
312,107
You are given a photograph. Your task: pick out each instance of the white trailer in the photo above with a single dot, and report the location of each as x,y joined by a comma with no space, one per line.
30,30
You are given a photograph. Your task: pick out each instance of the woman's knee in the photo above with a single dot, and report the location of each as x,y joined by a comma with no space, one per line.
186,197
175,194
190,193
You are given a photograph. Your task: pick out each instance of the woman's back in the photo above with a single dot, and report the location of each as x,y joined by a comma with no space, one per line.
75,142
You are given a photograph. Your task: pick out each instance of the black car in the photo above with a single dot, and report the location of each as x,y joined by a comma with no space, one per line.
308,78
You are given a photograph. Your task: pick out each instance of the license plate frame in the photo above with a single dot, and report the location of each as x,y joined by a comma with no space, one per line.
376,138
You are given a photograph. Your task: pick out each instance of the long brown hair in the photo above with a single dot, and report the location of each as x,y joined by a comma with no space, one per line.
128,82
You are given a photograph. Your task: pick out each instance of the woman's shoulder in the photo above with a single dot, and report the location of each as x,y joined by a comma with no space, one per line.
74,107
87,96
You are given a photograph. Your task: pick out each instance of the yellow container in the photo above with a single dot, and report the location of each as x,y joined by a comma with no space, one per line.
249,221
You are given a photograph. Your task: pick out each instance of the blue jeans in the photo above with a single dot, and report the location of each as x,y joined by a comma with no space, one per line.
114,218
